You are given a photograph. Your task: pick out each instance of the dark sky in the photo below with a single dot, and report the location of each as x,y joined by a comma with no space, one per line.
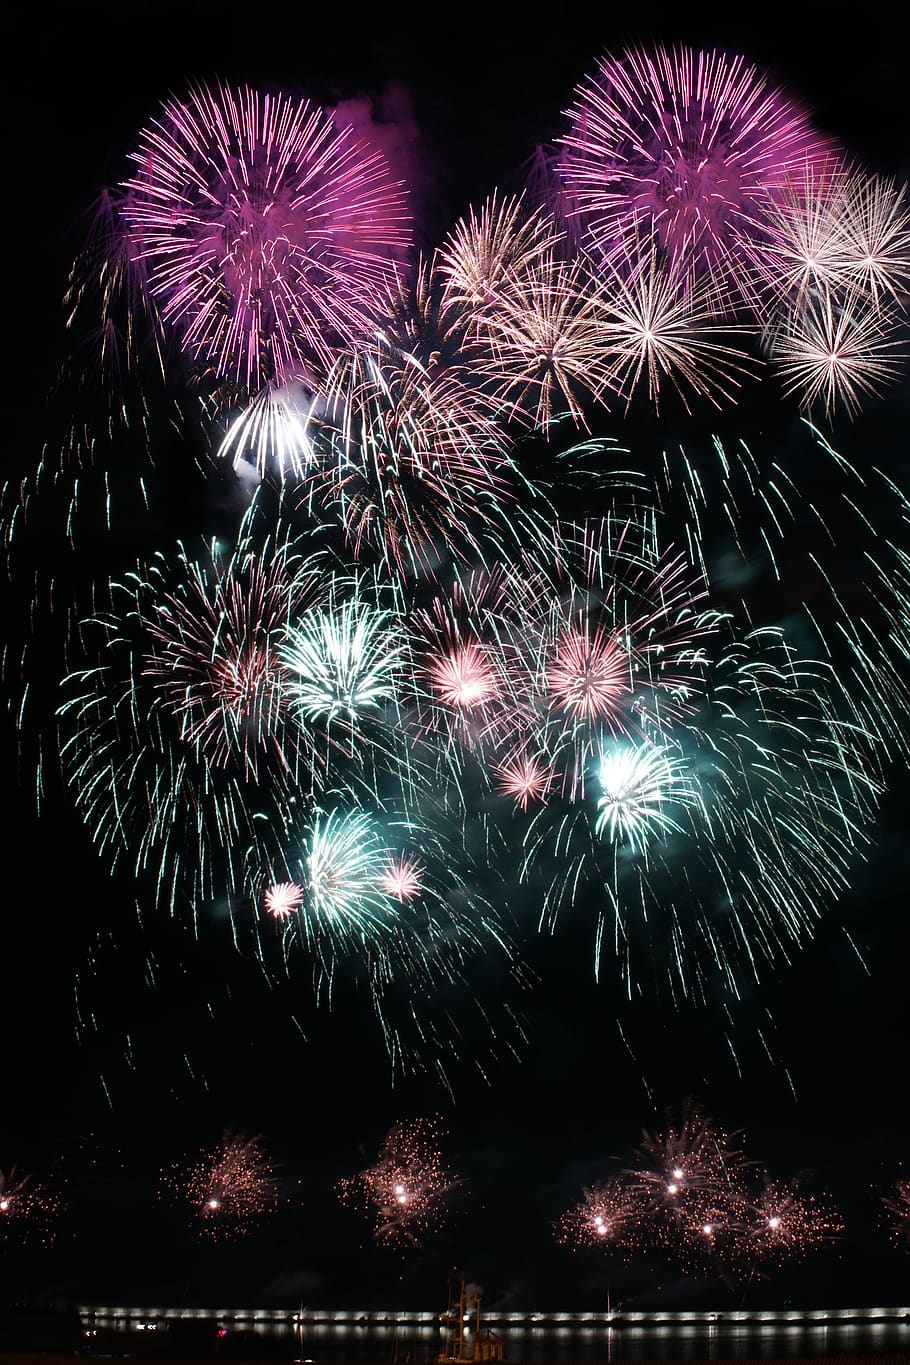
158,1070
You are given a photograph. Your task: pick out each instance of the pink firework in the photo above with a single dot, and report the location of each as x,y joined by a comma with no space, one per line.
282,899
630,633
404,1191
469,679
263,228
230,1188
525,777
590,673
609,1215
685,146
401,878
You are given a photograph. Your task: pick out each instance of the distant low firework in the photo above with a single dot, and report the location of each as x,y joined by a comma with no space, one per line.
692,1194
28,1209
786,1225
609,1215
404,1193
896,1212
228,1189
689,1169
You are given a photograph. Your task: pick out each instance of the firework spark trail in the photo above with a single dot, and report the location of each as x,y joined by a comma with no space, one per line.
228,1189
413,468
896,1212
404,1193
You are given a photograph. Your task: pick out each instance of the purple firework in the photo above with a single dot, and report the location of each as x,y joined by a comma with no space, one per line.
683,145
264,227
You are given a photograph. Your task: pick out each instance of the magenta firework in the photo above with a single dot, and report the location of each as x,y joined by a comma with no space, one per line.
686,146
263,227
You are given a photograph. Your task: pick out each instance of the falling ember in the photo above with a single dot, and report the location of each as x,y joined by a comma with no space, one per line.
283,899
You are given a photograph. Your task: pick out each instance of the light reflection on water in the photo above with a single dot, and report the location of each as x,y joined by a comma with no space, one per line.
415,1339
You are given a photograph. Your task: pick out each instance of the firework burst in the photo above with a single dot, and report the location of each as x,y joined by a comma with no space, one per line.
636,786
786,1225
683,146
833,350
28,1209
262,227
609,1215
405,1191
896,1212
228,1189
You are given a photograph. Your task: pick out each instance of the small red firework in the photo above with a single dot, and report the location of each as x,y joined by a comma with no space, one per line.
27,1209
282,899
785,1225
590,673
896,1207
400,878
464,677
525,778
694,1172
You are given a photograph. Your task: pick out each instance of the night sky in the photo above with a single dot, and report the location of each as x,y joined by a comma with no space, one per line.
132,1039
